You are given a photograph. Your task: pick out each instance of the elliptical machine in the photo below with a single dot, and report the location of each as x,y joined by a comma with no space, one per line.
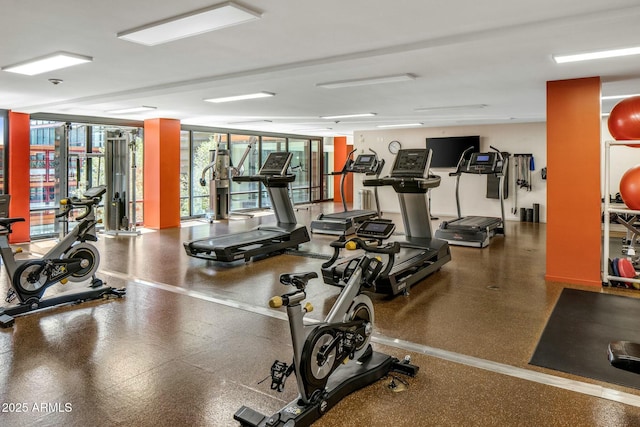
71,259
334,358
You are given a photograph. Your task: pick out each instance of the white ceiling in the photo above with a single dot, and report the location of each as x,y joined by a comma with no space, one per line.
462,52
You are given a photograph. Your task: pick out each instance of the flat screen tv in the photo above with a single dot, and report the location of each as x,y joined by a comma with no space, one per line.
446,151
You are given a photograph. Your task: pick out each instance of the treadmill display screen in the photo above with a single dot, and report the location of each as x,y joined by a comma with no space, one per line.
376,228
411,163
364,163
364,159
276,163
482,158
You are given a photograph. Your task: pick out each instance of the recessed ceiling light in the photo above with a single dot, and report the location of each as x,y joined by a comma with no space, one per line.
451,107
401,125
240,97
561,59
367,81
190,24
42,64
344,116
140,109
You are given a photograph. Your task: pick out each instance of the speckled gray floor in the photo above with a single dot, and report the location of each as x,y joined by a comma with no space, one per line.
190,342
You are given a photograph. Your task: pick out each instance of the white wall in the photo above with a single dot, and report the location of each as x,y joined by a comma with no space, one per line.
513,138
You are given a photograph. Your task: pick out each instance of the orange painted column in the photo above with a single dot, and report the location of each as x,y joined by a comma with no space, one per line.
18,174
340,152
339,157
573,185
161,173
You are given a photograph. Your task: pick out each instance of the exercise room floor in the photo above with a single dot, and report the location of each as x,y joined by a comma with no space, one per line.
192,340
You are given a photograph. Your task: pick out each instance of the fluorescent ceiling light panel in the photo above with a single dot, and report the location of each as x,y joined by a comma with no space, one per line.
140,109
54,61
451,107
241,97
368,81
345,116
246,122
604,98
603,54
190,24
401,125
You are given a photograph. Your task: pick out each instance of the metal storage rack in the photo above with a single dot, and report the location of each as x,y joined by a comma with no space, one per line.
612,208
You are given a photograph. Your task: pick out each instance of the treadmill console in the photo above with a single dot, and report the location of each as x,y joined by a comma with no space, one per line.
483,163
364,163
277,163
376,229
410,163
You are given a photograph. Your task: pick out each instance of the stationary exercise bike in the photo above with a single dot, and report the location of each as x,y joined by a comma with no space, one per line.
71,259
334,358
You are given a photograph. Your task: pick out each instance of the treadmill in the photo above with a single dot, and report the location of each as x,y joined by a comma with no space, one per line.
345,223
420,254
476,231
263,240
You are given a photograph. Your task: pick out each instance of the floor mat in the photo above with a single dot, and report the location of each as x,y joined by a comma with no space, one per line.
578,333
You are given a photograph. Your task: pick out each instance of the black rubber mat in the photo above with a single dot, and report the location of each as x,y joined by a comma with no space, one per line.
578,333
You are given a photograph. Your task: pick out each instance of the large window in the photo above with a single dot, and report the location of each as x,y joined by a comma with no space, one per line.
66,159
203,146
300,166
196,153
244,195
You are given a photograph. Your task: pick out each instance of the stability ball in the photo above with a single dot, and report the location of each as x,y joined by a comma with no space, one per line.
630,188
624,120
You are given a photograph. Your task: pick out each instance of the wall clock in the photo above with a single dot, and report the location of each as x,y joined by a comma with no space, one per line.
394,147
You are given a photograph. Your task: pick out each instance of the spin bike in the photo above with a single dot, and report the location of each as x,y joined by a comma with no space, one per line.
334,358
71,259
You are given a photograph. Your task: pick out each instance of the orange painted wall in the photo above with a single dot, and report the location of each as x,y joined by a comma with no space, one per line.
161,173
340,152
573,185
18,174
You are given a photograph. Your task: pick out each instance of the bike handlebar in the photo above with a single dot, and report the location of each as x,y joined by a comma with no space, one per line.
73,202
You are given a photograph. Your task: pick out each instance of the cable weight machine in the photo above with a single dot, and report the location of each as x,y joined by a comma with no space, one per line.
120,175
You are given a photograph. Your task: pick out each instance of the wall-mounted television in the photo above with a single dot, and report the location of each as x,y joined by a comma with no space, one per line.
446,151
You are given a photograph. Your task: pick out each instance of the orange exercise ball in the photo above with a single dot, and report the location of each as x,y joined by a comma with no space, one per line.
624,120
630,188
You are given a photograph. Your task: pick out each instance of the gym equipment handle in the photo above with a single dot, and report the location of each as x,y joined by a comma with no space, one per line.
275,302
388,249
73,202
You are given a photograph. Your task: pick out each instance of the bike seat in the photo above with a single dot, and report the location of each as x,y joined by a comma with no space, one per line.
6,222
296,279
